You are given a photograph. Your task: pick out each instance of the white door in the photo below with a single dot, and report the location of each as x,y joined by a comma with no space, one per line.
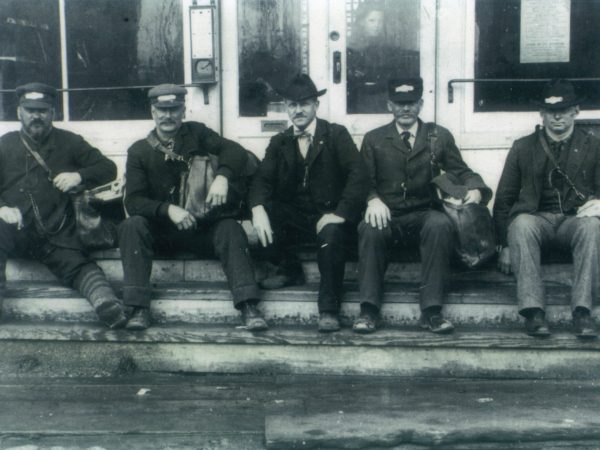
349,47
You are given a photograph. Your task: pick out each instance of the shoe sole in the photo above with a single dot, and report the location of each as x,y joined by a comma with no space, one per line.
112,315
136,327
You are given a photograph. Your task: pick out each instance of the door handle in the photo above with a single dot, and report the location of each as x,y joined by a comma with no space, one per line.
337,67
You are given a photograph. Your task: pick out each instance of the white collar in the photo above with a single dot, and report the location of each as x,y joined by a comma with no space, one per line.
311,128
412,130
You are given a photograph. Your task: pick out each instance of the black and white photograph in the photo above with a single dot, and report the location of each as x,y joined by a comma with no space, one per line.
299,224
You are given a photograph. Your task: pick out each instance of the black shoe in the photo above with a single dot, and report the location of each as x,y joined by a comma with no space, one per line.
436,324
110,311
140,319
252,318
328,322
535,324
583,324
281,281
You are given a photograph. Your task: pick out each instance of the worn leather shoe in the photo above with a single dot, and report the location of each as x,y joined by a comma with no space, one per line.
328,322
436,324
110,311
252,318
140,319
583,324
281,281
535,324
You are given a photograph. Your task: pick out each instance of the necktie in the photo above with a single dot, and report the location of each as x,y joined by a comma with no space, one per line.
304,141
406,139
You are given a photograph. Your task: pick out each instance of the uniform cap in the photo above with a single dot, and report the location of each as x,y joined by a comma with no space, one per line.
167,95
405,89
36,95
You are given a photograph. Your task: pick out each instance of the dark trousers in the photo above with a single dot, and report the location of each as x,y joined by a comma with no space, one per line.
528,233
139,237
68,265
431,230
293,227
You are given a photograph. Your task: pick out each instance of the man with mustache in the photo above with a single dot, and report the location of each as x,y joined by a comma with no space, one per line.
402,158
39,166
154,169
311,186
548,196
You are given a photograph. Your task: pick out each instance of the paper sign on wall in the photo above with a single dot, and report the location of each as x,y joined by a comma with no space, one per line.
545,31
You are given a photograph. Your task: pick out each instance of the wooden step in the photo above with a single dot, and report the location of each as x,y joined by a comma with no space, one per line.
57,350
467,303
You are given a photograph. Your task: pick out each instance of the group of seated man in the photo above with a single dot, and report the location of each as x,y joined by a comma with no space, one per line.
313,186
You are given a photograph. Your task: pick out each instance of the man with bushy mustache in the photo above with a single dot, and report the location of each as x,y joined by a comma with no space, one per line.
39,166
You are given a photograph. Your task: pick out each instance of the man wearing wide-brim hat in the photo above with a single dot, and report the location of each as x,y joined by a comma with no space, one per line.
548,197
311,186
39,166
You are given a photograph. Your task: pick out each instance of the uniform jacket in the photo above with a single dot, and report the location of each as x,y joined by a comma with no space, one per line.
337,178
152,182
20,174
401,178
521,183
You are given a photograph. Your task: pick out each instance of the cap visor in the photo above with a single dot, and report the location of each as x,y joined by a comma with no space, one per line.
35,104
169,104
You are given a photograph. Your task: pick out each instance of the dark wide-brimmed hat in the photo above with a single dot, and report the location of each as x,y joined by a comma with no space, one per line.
558,94
36,95
300,88
167,95
405,89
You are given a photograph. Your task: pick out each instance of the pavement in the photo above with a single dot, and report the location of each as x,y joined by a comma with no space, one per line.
224,411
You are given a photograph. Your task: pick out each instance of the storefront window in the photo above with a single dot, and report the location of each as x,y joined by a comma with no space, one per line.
382,43
121,43
529,39
273,48
29,48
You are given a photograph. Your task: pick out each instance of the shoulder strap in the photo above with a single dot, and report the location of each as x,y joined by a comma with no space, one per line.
156,144
432,137
35,154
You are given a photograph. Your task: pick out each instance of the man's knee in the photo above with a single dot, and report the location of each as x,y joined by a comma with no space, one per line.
133,226
8,235
332,233
437,223
588,229
524,228
369,235
229,231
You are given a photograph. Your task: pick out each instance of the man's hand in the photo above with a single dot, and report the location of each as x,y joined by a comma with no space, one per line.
262,225
11,216
327,219
504,261
378,214
473,196
66,181
182,219
217,194
591,208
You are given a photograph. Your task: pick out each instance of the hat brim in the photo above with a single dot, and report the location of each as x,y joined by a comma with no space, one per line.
557,106
29,103
169,104
296,98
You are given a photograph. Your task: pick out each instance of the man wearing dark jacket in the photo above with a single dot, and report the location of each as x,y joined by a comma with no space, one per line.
402,158
154,169
39,166
311,184
548,196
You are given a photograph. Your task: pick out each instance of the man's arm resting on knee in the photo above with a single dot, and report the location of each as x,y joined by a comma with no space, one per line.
378,214
262,225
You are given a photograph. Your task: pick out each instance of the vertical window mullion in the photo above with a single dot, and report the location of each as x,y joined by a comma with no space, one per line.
63,59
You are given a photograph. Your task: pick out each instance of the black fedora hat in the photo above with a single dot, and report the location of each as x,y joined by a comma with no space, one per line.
300,88
558,94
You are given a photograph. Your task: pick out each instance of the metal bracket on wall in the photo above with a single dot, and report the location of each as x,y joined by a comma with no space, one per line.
502,80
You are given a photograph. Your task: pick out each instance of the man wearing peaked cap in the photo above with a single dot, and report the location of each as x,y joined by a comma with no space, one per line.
159,221
402,158
39,166
548,196
311,186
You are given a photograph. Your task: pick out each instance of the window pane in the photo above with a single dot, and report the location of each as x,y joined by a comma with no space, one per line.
121,43
273,48
383,43
498,52
29,48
